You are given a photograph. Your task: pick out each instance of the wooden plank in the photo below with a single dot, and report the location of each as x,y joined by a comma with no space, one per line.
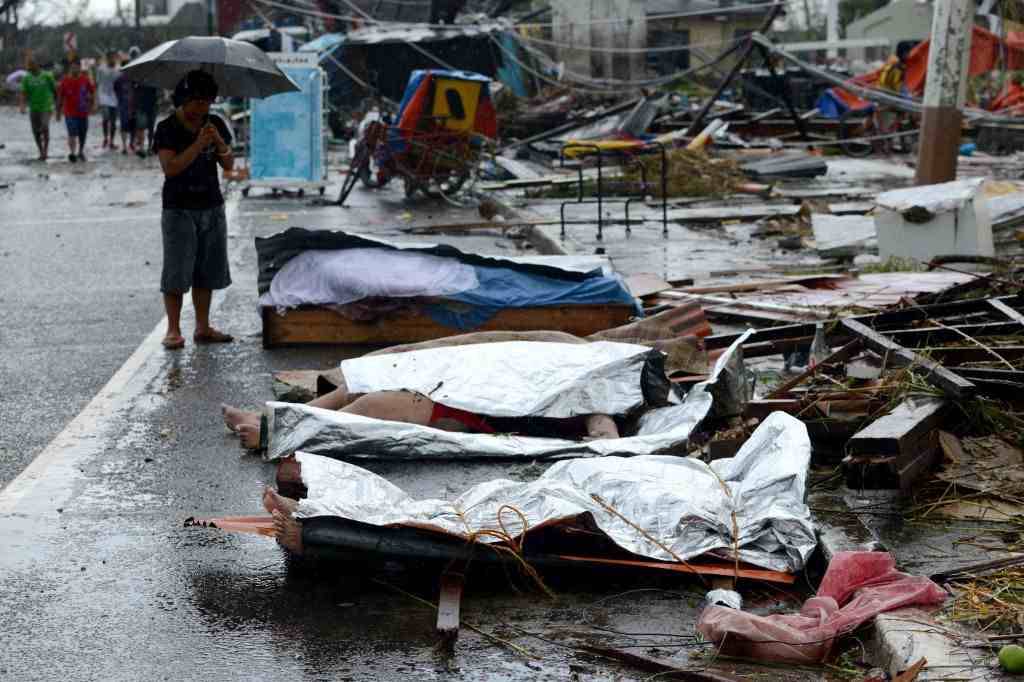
314,326
876,320
899,356
1006,310
645,284
992,374
956,356
448,607
672,670
760,409
851,207
824,192
902,430
927,335
754,304
841,355
699,568
763,285
710,215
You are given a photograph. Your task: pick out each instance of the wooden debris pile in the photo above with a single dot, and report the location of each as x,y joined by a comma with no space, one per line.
690,174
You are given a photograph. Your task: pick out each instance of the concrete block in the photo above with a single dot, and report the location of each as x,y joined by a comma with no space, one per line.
924,222
904,636
838,529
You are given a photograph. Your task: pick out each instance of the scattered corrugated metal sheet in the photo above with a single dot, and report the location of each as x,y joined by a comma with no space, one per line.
423,33
798,299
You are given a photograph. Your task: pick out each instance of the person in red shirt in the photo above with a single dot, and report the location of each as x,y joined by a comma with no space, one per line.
76,99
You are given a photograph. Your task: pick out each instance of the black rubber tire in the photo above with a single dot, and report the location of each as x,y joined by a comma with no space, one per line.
851,125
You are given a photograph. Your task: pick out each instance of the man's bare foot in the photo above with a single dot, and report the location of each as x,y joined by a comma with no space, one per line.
173,341
234,417
250,435
288,532
272,502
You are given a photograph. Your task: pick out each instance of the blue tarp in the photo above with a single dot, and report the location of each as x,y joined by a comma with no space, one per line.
507,288
831,106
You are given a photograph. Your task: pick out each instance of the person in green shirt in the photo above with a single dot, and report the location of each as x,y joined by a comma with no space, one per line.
38,90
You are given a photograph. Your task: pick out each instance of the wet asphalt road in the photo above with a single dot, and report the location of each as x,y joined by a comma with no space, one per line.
108,442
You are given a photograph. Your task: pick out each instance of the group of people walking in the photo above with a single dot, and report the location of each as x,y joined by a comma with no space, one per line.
78,94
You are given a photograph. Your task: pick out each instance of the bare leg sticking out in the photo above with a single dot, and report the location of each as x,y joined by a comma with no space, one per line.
235,419
288,532
272,501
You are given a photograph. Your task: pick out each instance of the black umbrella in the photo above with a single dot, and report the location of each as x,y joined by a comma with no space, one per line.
241,69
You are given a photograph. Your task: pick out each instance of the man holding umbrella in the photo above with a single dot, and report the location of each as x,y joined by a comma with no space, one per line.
191,143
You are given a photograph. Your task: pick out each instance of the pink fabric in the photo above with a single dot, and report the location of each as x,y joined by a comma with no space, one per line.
864,583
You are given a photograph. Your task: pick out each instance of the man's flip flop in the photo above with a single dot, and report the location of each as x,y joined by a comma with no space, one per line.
213,337
173,343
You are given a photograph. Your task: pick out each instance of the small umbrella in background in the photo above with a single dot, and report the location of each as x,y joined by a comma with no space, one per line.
13,81
240,69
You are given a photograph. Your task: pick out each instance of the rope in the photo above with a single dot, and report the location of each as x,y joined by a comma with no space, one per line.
547,79
366,18
629,50
425,53
871,138
659,17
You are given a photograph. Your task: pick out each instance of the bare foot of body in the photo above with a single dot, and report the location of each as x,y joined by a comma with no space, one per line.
234,417
250,435
288,532
273,502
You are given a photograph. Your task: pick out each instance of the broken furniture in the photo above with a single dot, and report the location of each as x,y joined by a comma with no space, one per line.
630,157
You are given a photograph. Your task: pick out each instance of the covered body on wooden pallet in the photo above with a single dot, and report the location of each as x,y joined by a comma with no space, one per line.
322,287
647,512
519,394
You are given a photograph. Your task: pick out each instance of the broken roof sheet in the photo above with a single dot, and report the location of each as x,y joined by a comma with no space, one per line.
423,33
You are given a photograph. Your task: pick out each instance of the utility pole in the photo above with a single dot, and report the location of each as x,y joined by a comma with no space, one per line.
211,28
945,91
832,26
138,16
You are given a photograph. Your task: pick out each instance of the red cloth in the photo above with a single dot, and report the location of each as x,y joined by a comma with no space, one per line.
1010,100
474,422
985,51
857,587
77,94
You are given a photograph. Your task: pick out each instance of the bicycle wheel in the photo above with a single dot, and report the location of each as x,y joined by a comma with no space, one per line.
856,124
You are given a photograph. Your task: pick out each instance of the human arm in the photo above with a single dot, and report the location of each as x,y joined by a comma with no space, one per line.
225,157
59,106
93,98
601,426
22,101
174,163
